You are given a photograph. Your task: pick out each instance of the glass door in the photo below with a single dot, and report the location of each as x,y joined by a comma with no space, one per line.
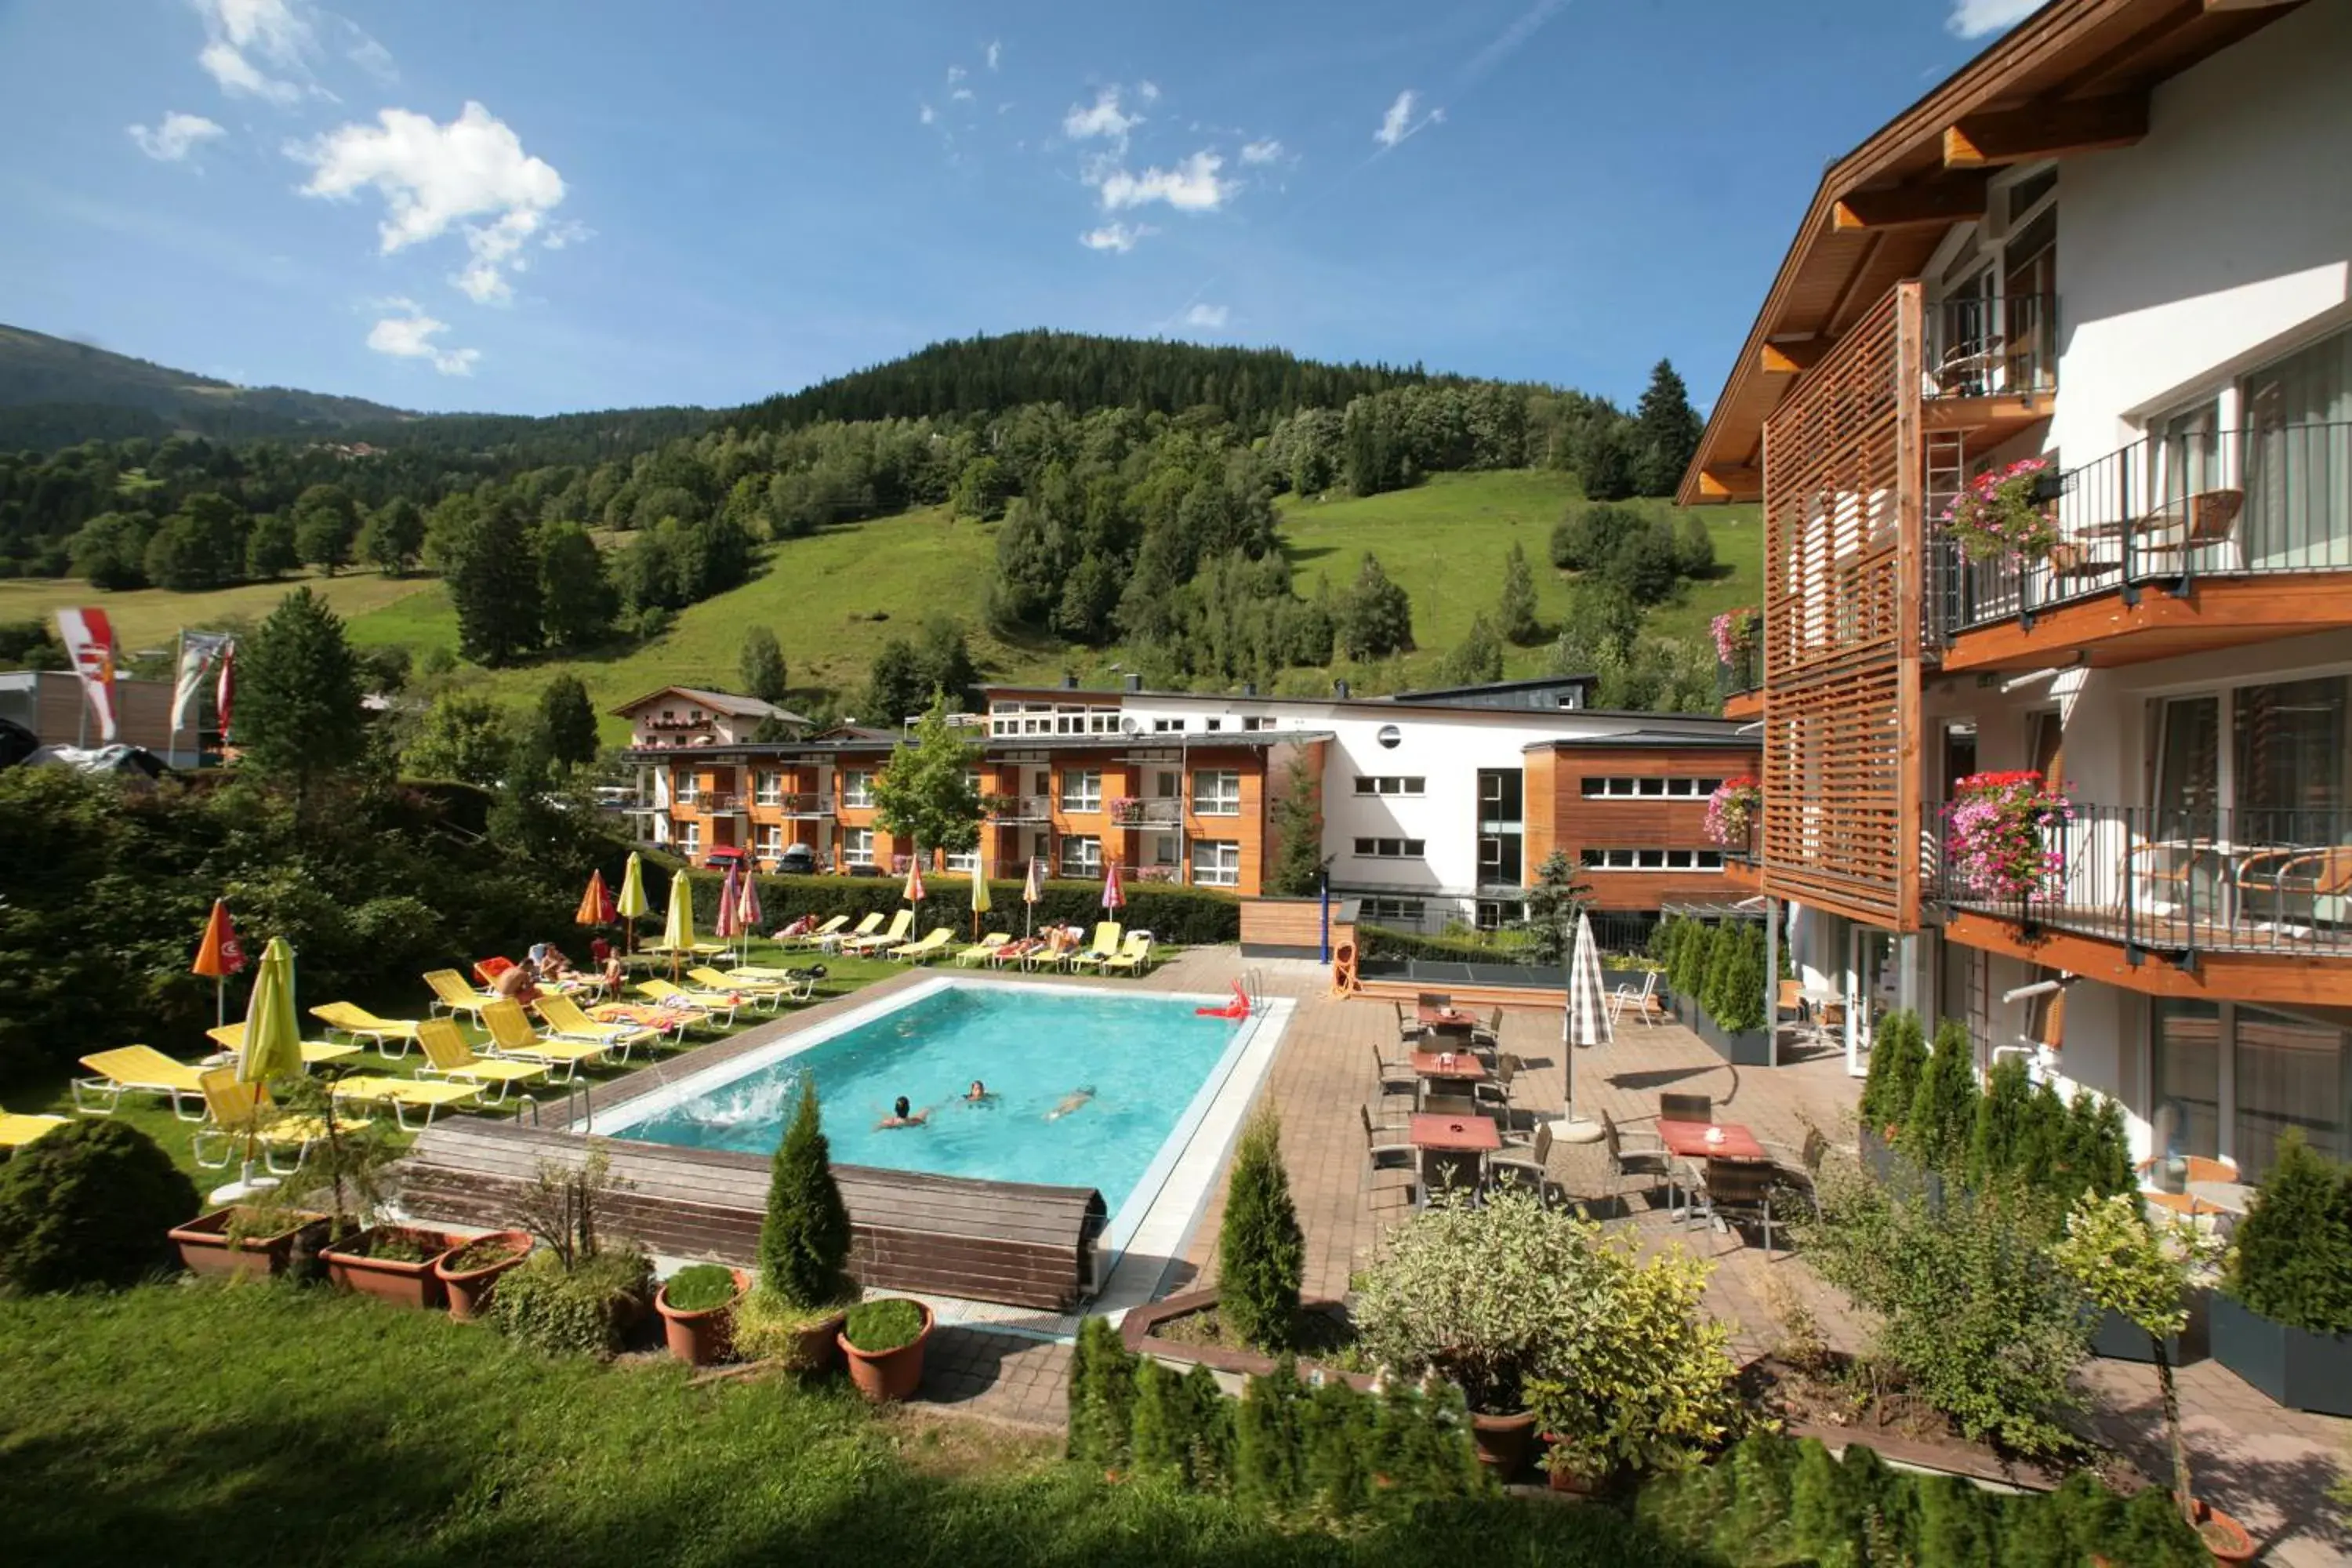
2296,468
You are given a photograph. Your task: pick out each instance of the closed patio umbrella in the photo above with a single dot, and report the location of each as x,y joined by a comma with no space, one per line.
729,923
677,933
1114,896
980,899
748,913
634,905
1584,1026
913,892
1032,892
595,904
272,1047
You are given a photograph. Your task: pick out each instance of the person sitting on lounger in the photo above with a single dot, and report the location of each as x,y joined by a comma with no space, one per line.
900,1116
517,984
1070,1103
551,964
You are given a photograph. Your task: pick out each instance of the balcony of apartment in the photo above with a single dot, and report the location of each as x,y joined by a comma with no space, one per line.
1739,683
794,805
677,726
1017,807
2243,904
1743,857
2170,546
714,802
1989,365
1134,813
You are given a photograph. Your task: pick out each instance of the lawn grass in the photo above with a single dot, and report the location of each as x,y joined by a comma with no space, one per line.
202,1424
151,617
152,1115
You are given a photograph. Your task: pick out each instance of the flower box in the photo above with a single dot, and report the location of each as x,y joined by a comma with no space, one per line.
2002,835
1732,810
206,1248
2004,512
2296,1367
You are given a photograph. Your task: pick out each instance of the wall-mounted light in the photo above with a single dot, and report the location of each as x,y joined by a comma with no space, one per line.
2039,988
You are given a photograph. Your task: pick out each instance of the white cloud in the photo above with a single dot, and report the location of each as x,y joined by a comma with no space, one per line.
1265,151
1398,124
410,336
926,114
995,53
431,177
239,78
955,75
1212,317
1147,90
172,142
1105,119
960,95
1119,238
1192,186
1975,18
277,33
367,54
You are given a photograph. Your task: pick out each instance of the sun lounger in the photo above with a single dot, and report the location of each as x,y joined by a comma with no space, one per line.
230,1038
662,1021
451,993
1105,947
935,942
768,993
18,1128
883,941
447,1055
565,1020
237,1115
406,1094
138,1069
1055,954
1016,951
1133,958
821,935
511,1036
710,1004
363,1025
791,984
837,939
984,950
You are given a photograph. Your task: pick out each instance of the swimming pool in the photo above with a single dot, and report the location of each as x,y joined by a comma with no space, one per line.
1154,1068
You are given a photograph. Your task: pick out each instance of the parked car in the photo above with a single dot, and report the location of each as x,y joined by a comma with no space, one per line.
797,860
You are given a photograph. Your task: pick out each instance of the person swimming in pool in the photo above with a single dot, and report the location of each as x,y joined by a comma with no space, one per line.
900,1116
1070,1103
978,1094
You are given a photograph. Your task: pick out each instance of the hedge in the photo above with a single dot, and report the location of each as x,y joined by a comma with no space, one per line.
1385,941
1190,917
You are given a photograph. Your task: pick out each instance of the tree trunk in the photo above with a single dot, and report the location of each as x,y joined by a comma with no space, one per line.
2171,1397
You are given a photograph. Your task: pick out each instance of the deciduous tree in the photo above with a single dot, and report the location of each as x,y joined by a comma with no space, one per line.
492,570
924,791
393,537
576,595
325,522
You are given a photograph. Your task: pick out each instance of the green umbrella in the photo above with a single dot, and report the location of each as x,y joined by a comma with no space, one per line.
679,935
273,1039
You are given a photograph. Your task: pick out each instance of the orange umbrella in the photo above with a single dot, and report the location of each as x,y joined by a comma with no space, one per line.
596,904
219,956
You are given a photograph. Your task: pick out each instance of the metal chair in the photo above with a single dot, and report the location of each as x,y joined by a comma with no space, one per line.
1793,1169
1530,1169
1488,1035
1436,1001
1382,1144
1409,1029
1735,1192
1685,1108
1393,1078
1635,1155
1495,1092
1642,998
1449,1105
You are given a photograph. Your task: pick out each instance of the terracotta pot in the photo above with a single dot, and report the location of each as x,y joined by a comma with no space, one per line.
206,1248
1562,1478
885,1375
816,1348
703,1338
1503,1442
404,1284
469,1290
2224,1537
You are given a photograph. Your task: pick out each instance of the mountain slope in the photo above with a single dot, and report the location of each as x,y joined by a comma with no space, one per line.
54,393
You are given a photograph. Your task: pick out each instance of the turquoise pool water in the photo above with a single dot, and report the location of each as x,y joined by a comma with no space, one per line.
1147,1058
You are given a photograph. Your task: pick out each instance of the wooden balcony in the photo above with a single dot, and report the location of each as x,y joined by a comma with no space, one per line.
2167,547
1989,367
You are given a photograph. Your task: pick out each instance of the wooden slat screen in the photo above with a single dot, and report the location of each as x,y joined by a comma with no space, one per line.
1842,521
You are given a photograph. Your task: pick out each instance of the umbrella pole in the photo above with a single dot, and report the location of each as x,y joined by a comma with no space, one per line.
220,1001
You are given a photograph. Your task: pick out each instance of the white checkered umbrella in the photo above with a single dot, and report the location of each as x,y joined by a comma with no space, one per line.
1586,1021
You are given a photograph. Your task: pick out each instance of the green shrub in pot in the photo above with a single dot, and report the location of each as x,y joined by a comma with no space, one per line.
2292,1256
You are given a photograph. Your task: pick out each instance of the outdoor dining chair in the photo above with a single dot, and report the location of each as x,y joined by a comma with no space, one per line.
1530,1168
1393,1078
1685,1108
1495,1093
1735,1192
1635,1155
1642,998
1409,1029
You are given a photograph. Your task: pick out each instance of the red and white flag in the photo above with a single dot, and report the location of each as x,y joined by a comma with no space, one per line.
225,690
199,651
89,643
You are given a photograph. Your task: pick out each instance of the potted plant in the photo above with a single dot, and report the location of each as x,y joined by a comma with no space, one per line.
2004,509
2117,1257
1486,1297
2282,1318
392,1263
471,1272
249,1238
697,1309
1733,808
2000,834
883,1342
794,1311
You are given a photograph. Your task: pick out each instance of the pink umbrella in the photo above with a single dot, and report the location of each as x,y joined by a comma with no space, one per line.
914,893
1114,896
728,924
747,915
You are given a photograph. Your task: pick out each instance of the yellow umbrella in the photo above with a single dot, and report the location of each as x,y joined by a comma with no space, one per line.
633,905
979,903
273,1038
679,934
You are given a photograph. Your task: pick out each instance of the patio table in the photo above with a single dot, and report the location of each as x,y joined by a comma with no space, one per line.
1688,1141
1454,1148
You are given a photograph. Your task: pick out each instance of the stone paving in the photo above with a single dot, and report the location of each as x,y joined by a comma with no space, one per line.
2269,1467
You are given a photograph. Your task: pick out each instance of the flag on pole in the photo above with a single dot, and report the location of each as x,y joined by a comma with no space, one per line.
225,691
89,643
199,651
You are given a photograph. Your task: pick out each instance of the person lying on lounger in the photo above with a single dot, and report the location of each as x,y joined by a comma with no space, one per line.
1070,1103
900,1116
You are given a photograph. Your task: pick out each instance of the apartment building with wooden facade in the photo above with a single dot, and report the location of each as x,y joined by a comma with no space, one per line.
2099,245
1436,805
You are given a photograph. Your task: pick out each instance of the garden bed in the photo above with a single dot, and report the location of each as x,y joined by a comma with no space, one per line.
1186,1330
1745,1048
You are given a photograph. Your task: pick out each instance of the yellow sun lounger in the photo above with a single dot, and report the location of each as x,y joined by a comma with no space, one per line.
822,934
237,1115
230,1038
447,1055
406,1094
984,950
838,940
710,1004
1104,948
138,1069
18,1128
935,942
452,993
565,1020
512,1036
882,941
750,987
1133,958
361,1025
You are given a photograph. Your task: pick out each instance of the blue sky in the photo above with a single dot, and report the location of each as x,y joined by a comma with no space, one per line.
532,205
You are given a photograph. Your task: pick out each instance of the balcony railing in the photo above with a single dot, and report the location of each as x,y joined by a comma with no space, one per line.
678,724
2174,879
714,802
2223,503
2004,347
1016,807
1131,813
1742,673
795,804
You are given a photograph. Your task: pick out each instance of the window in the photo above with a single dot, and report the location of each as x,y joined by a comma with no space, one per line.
964,862
1501,856
770,787
1494,914
1393,911
1160,850
1389,737
1391,784
1081,857
771,840
1081,792
1216,863
1258,723
857,847
1217,794
689,789
2229,1081
1392,848
1167,726
857,789
1652,860
1637,788
1502,795
1217,724
689,838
